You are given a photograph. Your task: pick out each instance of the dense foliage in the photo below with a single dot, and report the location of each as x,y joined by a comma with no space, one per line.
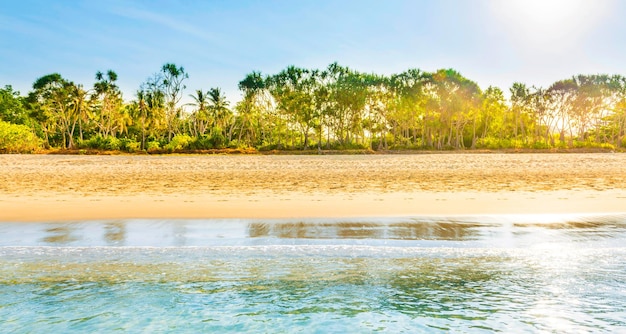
333,108
15,138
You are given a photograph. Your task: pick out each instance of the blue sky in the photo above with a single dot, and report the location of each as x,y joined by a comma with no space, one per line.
493,42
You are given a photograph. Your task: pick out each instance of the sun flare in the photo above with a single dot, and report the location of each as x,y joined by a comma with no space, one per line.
550,25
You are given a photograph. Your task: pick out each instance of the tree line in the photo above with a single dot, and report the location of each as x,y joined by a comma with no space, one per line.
332,108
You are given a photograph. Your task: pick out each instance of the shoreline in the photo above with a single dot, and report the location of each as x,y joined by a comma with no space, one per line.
65,208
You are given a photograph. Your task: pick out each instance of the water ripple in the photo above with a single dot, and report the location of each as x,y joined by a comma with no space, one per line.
467,275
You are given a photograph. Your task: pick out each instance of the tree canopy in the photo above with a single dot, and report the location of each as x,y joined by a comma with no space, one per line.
332,108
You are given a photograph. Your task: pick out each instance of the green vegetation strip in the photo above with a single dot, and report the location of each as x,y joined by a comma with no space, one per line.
314,111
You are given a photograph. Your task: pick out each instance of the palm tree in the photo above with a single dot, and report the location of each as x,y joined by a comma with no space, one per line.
150,105
110,111
218,108
172,84
81,105
200,116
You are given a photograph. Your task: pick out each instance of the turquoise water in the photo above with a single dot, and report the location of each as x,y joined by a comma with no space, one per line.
421,274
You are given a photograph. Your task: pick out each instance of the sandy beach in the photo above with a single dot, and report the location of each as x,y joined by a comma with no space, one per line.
66,188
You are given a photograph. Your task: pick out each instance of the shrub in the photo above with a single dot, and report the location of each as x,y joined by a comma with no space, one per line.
112,143
492,143
517,144
89,143
589,143
129,145
17,139
102,143
235,144
179,142
349,146
153,145
217,139
607,146
561,145
540,144
202,143
489,143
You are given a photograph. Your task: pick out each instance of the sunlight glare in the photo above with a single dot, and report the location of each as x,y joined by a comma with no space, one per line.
550,25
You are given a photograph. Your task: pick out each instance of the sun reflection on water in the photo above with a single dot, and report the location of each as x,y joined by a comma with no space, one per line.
451,274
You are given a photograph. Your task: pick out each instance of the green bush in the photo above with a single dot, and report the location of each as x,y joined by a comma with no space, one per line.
561,145
490,143
202,143
89,143
607,146
348,146
102,143
153,145
179,142
129,145
271,147
218,140
17,139
235,144
540,145
587,144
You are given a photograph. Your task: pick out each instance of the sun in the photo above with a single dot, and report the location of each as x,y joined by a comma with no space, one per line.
547,15
550,24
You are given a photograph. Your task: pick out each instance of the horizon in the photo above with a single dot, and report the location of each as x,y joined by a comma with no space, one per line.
218,43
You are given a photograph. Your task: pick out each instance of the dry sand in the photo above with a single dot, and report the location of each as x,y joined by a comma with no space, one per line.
53,187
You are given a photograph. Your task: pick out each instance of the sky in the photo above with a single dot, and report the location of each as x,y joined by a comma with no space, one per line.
218,42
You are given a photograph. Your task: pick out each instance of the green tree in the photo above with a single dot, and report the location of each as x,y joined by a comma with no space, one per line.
615,126
12,109
561,97
407,107
494,108
219,112
293,90
150,100
82,106
595,96
453,99
520,103
173,77
109,114
200,118
257,119
51,104
348,92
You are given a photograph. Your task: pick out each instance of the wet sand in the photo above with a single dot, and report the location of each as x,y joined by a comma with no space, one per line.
59,188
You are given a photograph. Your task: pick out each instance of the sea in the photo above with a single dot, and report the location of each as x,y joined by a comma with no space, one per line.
431,274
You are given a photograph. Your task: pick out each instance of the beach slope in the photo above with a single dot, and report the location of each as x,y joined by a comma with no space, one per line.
68,188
